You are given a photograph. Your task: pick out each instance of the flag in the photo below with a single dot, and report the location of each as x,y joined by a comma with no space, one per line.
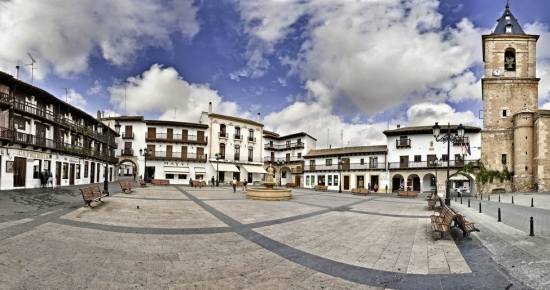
469,152
465,150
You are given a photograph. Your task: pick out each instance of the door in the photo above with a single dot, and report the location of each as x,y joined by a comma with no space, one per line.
152,133
360,181
200,136
40,134
346,182
183,152
152,149
92,172
184,134
71,174
99,173
169,151
374,180
19,171
127,149
128,131
288,157
200,153
58,173
170,134
297,180
272,157
404,161
111,174
346,165
249,179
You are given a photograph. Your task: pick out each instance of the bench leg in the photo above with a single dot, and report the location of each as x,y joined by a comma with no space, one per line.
441,237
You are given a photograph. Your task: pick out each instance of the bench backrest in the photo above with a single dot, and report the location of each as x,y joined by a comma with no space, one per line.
87,193
449,216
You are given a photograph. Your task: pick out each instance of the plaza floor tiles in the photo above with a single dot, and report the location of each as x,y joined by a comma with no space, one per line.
123,211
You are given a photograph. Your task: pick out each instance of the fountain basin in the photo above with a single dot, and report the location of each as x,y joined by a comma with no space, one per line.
269,194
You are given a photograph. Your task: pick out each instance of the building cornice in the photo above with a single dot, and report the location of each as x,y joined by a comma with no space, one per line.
230,118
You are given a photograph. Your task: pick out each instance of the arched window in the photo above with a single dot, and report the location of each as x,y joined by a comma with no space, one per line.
510,59
237,132
237,153
222,150
222,130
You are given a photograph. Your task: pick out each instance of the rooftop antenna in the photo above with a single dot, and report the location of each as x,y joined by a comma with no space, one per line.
32,67
175,113
66,94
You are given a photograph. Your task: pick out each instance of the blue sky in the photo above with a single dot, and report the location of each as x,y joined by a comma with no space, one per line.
318,66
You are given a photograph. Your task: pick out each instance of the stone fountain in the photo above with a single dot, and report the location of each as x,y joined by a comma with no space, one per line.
268,193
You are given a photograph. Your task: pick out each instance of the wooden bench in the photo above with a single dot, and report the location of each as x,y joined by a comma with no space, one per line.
364,191
466,226
432,202
291,184
160,181
320,187
402,193
445,224
142,183
126,186
92,193
429,196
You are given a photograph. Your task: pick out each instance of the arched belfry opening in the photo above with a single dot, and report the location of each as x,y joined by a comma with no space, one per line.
510,59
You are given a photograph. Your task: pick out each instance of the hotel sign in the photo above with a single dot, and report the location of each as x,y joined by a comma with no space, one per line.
34,155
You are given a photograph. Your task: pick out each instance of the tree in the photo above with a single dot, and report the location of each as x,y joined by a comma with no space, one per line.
484,176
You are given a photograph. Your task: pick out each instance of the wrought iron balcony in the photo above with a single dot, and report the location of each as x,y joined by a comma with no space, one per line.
403,143
126,135
127,152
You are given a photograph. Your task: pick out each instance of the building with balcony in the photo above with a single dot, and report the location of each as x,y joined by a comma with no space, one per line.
358,167
157,149
286,155
235,147
412,154
40,132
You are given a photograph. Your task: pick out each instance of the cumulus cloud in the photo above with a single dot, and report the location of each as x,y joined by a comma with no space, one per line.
62,35
426,114
160,89
74,98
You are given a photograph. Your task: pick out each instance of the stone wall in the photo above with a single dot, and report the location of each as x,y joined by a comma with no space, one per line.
523,151
542,154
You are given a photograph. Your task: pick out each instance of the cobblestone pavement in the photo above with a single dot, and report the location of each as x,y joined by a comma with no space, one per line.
177,237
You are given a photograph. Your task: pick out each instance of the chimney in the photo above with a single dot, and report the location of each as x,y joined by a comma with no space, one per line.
209,108
98,114
398,126
17,72
330,146
258,118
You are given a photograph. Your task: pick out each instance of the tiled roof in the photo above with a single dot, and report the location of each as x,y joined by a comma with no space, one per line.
347,151
428,130
511,21
293,135
231,118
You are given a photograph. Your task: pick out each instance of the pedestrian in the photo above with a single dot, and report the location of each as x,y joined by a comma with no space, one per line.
245,182
375,187
212,182
200,182
134,176
42,176
368,186
190,181
234,184
49,179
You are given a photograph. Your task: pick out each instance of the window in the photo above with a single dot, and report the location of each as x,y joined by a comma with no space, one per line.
330,180
283,174
222,129
417,158
77,171
222,150
250,154
47,165
86,169
328,162
237,132
250,135
300,155
37,169
510,60
362,161
307,180
237,152
433,181
335,180
169,176
444,157
65,171
503,159
288,143
198,176
507,17
182,176
431,143
373,162
509,28
313,180
503,113
19,123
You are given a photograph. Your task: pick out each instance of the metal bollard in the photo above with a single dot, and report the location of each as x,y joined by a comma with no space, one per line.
499,198
532,205
489,197
480,207
461,200
468,202
499,220
512,200
532,233
482,197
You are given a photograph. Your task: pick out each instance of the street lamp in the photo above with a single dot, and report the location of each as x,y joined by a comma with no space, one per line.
107,132
280,162
340,161
448,138
436,162
145,153
218,157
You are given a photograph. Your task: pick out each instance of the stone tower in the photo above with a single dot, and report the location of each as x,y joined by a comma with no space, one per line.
510,98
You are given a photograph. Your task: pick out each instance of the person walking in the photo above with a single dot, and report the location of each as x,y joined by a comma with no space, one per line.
234,184
245,182
212,182
190,181
375,187
200,182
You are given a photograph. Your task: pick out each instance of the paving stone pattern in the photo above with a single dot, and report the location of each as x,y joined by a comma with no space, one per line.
190,238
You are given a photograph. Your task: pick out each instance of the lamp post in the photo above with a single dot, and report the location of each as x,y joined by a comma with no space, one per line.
107,133
340,161
448,138
145,153
436,162
280,162
218,157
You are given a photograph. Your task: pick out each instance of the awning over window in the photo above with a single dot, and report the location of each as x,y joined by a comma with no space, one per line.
225,167
175,170
200,170
254,169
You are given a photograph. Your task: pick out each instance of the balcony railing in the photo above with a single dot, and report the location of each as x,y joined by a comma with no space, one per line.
429,164
403,143
178,155
6,133
126,135
5,99
351,166
251,139
291,159
241,159
237,137
463,140
176,138
284,146
127,152
223,135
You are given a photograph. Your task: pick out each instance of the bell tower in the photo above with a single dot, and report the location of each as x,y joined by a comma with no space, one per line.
510,99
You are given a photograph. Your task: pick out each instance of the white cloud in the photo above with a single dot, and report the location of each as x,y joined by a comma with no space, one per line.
96,89
161,89
62,35
426,114
74,98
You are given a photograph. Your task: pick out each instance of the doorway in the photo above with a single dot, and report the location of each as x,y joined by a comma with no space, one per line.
19,171
360,181
297,180
58,173
92,172
374,179
71,174
346,182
